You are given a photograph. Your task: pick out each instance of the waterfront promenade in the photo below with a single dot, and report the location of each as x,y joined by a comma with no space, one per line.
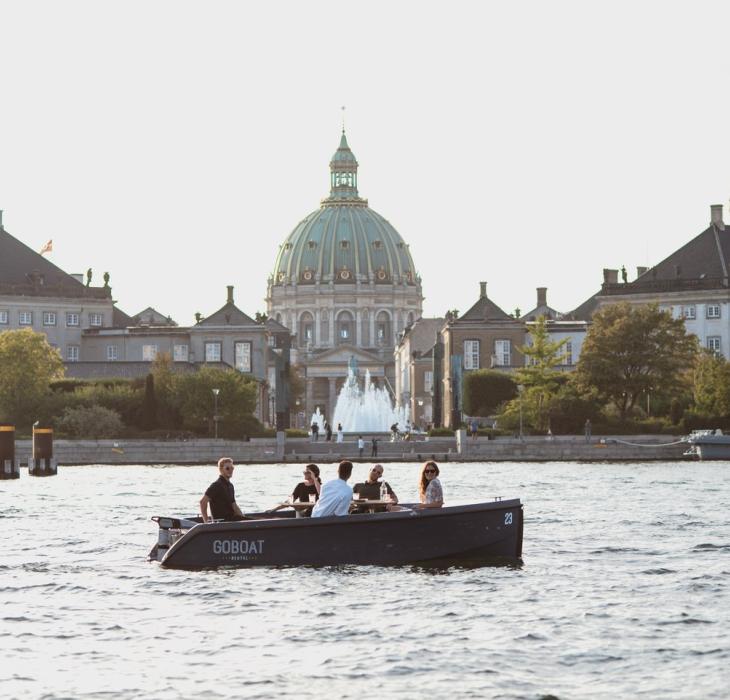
461,448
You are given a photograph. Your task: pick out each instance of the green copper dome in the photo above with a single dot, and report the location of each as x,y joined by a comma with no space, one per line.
344,241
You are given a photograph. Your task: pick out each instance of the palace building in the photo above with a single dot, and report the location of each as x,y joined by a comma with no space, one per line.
345,285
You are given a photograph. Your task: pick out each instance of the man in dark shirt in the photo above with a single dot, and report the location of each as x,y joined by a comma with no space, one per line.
221,495
370,489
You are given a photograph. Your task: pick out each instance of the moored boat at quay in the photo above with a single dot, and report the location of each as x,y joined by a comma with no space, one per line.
708,444
480,532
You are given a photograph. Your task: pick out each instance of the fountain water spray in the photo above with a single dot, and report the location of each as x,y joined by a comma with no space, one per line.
369,409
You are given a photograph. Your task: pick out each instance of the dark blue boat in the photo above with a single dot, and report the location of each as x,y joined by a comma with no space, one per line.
480,532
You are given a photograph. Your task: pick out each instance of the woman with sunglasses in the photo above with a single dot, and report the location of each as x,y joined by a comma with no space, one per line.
429,487
312,484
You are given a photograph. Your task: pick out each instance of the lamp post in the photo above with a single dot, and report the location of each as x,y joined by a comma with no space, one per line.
215,410
520,389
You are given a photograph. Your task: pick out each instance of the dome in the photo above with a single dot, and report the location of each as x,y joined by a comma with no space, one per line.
344,241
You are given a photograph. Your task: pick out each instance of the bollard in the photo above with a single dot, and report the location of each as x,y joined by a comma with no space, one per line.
9,465
42,462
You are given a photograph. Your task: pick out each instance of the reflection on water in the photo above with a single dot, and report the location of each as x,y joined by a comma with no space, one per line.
623,593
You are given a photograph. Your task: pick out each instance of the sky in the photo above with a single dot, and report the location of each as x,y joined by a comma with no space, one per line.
175,145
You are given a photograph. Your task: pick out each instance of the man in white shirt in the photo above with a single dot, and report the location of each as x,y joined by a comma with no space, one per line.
336,495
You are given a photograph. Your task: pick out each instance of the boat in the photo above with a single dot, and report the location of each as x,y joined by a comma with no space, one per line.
708,444
480,532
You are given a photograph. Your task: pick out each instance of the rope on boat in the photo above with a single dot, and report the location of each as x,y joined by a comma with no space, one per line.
640,444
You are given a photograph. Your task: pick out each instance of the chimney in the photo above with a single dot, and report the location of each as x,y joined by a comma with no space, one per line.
610,276
482,290
641,270
230,293
716,216
541,296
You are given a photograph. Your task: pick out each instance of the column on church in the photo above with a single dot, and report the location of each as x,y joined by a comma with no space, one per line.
317,328
332,401
358,329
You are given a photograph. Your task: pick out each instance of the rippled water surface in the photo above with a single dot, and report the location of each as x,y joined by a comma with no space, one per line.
623,593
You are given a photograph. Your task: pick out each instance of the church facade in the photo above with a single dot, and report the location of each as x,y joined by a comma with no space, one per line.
345,285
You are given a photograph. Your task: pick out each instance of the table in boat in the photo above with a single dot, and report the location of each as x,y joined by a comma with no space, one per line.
359,502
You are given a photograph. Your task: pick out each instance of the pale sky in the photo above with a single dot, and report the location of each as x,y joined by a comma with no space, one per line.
176,144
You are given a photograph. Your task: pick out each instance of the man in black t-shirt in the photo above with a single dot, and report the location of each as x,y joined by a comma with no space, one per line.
370,489
221,495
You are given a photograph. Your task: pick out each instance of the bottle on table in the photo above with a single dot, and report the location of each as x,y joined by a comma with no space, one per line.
383,492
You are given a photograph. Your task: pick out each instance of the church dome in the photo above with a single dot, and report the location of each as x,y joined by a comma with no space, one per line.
344,241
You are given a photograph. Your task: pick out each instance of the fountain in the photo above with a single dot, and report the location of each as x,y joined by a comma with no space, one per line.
369,409
317,418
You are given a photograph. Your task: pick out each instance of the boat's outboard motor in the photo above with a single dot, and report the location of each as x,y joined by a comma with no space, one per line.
171,530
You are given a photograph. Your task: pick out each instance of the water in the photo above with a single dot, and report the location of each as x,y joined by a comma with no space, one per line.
623,593
366,409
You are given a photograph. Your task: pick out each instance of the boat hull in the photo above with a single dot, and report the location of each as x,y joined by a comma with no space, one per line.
487,531
711,446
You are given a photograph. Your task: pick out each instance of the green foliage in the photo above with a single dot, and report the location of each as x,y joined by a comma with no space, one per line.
125,399
148,412
711,384
540,379
631,350
295,433
569,410
28,364
192,398
94,422
441,432
485,390
676,411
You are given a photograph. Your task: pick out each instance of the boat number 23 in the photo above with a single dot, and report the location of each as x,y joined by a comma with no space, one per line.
508,518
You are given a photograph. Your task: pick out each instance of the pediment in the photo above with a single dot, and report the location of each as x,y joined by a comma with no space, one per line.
342,355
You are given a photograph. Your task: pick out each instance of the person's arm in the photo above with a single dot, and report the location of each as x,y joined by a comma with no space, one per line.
318,486
393,497
236,509
204,507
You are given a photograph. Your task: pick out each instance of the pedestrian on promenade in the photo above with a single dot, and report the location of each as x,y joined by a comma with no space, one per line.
328,432
315,431
340,434
588,430
374,449
360,445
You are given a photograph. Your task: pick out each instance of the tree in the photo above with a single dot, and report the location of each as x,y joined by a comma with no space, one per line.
28,364
148,413
711,384
539,376
94,422
630,350
193,399
485,390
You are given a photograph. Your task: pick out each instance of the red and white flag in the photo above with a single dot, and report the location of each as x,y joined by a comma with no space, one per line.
48,247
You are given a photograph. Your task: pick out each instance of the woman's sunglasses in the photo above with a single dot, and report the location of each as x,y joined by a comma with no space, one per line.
429,471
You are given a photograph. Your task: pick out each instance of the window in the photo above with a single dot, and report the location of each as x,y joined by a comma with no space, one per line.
212,352
689,311
344,331
428,381
502,351
311,245
49,318
569,353
713,311
308,332
242,356
25,318
111,353
713,343
344,244
72,353
180,353
72,319
382,332
149,353
3,318
272,341
471,354
95,320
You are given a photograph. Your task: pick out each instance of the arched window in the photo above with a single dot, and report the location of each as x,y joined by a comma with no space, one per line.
345,329
382,329
306,330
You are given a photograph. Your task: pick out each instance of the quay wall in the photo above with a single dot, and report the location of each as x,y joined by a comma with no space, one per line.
455,449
